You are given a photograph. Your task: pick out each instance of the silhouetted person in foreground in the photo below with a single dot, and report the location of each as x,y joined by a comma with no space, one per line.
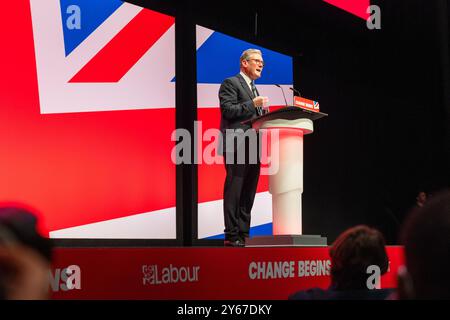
426,237
25,257
351,254
421,199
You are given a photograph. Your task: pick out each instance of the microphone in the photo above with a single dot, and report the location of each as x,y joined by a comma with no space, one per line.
295,91
285,101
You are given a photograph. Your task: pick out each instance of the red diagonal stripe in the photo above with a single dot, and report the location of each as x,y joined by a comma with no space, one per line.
112,62
355,7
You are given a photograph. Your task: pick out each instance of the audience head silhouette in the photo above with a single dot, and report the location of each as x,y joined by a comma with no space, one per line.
352,253
426,237
25,256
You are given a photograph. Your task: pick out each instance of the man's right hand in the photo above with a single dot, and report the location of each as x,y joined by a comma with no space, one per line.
260,101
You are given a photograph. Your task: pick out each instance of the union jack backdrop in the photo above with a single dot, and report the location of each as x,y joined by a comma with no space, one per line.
87,99
87,115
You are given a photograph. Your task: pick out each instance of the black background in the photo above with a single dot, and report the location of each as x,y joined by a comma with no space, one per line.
386,92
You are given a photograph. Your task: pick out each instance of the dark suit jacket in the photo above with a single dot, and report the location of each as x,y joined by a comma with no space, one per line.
236,104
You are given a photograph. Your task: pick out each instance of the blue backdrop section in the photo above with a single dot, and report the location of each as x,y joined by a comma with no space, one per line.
261,230
93,14
218,59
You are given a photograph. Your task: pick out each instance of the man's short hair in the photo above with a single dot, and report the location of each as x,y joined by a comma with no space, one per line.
426,237
247,53
353,251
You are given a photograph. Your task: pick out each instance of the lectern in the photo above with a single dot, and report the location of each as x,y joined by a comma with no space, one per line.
286,183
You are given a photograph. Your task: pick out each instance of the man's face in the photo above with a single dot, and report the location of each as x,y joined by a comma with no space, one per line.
422,197
253,66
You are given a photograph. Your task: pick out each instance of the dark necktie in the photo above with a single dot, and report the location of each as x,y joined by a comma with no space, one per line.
255,94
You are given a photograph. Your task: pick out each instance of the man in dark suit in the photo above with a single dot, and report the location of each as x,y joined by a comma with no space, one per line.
240,101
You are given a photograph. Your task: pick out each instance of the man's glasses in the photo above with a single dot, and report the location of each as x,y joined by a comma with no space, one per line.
257,61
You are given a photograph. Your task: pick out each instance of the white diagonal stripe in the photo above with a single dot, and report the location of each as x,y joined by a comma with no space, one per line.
160,224
210,215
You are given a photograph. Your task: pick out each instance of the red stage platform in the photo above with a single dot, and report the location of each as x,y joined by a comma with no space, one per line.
196,273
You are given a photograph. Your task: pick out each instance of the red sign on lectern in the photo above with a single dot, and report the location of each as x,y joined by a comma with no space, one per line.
306,104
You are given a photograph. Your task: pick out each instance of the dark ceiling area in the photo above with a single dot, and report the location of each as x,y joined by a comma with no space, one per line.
284,25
